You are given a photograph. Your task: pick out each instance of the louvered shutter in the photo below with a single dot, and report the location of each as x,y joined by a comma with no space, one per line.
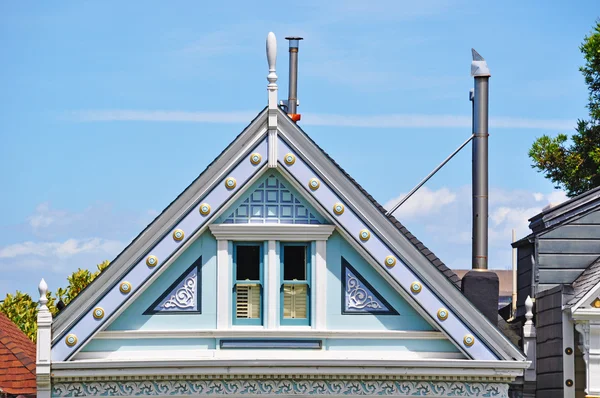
248,300
294,301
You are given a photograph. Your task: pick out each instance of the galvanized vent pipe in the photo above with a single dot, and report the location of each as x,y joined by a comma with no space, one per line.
293,88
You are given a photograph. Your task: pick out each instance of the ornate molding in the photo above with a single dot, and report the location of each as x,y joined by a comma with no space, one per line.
281,387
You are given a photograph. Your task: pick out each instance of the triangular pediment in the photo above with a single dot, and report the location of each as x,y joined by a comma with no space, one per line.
316,186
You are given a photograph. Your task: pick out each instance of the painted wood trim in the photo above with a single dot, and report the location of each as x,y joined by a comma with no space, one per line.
271,286
279,232
260,332
296,366
594,291
223,285
438,282
320,278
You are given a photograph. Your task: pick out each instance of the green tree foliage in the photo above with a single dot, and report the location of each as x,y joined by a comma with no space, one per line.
574,164
22,309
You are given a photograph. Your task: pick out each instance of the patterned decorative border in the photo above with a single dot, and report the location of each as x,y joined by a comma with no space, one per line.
281,387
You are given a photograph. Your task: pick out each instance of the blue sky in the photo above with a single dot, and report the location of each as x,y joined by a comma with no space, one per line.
109,110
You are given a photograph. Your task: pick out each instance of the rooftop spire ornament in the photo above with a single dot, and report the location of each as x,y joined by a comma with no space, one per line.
272,89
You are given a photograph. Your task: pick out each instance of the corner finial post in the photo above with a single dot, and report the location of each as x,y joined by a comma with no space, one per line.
530,341
44,340
272,108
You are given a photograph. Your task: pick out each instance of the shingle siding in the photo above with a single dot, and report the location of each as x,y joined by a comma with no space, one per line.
549,343
565,251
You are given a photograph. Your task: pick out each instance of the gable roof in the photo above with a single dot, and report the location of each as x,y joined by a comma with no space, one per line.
565,211
414,255
585,283
17,359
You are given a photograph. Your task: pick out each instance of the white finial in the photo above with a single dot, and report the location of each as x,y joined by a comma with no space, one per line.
272,58
528,309
43,289
479,67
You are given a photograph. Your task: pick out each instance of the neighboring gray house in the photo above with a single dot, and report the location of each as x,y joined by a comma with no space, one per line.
559,267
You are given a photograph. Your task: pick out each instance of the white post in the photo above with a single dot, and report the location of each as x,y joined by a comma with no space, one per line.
223,285
272,88
321,285
44,340
529,341
589,338
272,287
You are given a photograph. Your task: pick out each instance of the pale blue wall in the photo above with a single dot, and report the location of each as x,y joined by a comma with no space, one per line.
133,318
413,345
122,345
408,319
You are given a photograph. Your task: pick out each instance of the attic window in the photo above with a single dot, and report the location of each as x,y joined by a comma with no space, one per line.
295,284
248,284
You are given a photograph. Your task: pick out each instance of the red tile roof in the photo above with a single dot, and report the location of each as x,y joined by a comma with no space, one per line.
17,359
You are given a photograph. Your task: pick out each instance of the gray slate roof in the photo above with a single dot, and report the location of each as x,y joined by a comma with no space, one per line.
585,282
559,214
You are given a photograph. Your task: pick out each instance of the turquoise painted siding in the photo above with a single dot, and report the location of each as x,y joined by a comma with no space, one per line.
408,319
123,345
390,345
133,318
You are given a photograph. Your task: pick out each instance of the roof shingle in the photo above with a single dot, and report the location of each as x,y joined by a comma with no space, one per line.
17,359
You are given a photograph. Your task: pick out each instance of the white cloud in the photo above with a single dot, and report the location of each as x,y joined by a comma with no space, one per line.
424,201
68,248
367,121
442,220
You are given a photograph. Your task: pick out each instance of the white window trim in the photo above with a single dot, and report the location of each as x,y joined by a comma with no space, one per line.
266,232
226,233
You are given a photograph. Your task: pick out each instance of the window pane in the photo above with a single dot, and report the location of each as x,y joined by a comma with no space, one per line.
248,263
294,263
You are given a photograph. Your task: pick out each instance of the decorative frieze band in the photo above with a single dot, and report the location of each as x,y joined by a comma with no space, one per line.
268,387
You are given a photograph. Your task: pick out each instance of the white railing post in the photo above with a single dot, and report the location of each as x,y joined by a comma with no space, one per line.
44,339
529,341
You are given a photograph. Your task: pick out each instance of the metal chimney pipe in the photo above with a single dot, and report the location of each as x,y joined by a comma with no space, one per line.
293,88
480,98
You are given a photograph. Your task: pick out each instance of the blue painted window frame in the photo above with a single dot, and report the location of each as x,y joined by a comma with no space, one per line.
287,321
248,321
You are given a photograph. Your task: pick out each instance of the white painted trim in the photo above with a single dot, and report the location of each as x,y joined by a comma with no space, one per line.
259,331
280,232
223,286
320,297
289,365
568,360
266,355
272,286
587,314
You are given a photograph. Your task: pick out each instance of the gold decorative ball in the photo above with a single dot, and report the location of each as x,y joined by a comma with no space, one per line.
178,235
415,287
442,314
314,184
204,209
390,261
289,159
98,313
230,183
71,340
125,287
469,340
152,261
364,235
338,208
255,158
